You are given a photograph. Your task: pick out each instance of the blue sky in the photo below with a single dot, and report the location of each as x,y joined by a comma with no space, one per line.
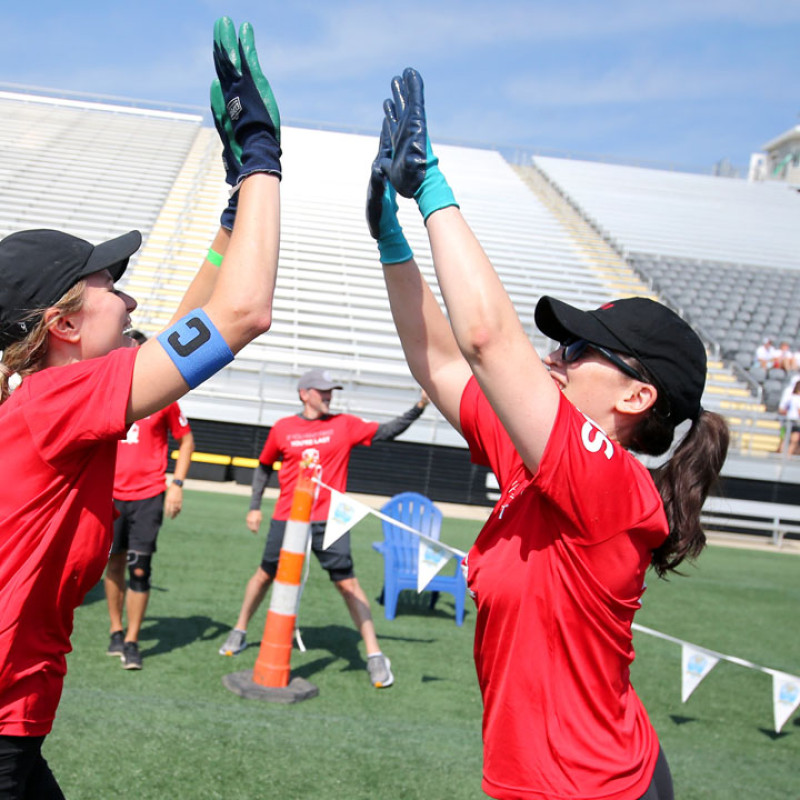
683,83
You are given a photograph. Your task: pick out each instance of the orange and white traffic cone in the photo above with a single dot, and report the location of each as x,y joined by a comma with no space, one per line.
273,662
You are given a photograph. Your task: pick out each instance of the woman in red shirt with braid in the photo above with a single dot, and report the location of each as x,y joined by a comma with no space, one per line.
558,570
63,330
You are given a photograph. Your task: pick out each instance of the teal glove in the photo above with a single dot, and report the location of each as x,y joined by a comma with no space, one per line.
392,245
382,209
434,192
414,169
251,122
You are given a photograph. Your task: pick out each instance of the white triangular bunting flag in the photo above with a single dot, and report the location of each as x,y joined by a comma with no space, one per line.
696,665
432,557
785,697
343,514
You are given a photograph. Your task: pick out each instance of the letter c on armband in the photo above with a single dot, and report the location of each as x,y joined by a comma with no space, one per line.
184,349
196,347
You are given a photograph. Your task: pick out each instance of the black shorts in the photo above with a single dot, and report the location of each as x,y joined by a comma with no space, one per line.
337,559
24,773
136,528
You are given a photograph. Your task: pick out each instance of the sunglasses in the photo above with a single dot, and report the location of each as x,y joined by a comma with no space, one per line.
573,350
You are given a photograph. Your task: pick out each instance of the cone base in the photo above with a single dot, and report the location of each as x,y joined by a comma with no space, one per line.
242,683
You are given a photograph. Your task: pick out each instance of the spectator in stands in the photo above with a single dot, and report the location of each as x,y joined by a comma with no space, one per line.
767,354
785,358
334,436
788,406
557,572
141,498
62,330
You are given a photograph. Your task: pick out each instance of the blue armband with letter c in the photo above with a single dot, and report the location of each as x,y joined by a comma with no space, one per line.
196,347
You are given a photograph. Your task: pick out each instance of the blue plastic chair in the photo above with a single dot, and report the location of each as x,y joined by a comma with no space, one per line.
400,551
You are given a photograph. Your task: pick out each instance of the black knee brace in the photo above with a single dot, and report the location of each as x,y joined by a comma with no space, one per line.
139,571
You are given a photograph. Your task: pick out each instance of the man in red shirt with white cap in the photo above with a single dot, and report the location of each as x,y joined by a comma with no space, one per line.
333,436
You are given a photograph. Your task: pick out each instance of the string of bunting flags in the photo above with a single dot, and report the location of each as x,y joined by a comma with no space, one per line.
345,512
696,662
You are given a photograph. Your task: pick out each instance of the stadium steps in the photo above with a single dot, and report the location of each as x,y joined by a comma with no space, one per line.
598,255
179,239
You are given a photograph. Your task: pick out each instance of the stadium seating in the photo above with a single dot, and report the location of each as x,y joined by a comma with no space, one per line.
92,169
331,308
734,308
722,252
683,215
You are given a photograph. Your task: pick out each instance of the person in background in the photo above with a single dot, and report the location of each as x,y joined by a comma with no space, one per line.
790,408
558,571
142,497
63,330
767,354
785,357
333,436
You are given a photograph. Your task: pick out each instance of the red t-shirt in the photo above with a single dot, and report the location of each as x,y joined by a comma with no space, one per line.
142,455
58,437
557,573
333,437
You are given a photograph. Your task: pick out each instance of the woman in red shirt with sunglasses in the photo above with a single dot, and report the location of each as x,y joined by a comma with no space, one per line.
558,570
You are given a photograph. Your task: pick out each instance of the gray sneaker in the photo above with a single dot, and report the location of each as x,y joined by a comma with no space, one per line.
131,657
115,644
380,672
234,644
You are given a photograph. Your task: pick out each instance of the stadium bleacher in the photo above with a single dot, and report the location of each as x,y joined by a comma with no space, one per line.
683,215
91,169
722,252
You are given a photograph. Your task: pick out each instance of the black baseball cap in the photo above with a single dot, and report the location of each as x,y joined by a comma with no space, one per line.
38,267
663,343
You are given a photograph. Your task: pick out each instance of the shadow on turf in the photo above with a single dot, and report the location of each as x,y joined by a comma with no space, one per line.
679,720
771,734
173,633
341,642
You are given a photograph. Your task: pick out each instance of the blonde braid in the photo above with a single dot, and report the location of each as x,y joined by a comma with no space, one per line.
28,355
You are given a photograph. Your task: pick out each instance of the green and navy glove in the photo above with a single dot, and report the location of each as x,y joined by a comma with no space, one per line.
382,208
229,161
250,106
414,169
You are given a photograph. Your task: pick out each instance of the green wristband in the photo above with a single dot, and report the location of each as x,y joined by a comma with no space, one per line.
213,257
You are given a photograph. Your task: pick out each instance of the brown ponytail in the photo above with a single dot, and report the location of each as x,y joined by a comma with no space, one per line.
684,482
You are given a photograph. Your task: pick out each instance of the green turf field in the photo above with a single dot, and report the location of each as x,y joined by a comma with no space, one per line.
174,731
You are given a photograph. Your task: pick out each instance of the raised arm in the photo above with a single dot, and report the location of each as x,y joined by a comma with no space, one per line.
483,320
229,305
428,343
